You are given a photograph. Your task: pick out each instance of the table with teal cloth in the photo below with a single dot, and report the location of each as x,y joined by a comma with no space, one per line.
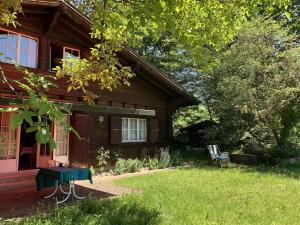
52,176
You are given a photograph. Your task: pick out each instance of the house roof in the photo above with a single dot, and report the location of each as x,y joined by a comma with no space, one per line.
147,68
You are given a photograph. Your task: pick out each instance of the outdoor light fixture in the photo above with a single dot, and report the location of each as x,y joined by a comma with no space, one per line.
100,120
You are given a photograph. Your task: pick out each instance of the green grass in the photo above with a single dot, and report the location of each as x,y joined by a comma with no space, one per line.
221,196
194,196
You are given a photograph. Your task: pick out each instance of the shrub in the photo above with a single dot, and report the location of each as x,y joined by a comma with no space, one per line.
164,157
102,158
133,165
153,163
120,166
129,165
176,158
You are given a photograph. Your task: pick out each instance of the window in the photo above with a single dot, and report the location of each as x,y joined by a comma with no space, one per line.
134,130
59,52
8,137
71,52
20,48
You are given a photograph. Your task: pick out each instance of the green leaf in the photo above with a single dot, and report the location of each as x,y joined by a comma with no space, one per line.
163,4
17,120
75,132
52,144
28,117
43,135
31,129
288,15
43,109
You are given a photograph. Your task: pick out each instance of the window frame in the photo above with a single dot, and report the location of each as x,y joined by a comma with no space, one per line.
18,48
76,49
137,130
64,50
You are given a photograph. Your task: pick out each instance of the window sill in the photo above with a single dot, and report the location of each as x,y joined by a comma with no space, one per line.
126,142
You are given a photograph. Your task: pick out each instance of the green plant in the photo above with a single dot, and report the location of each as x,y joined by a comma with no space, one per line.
164,157
176,158
102,158
120,166
153,163
133,165
127,166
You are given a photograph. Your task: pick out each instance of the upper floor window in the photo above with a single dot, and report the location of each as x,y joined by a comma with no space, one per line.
19,48
71,52
59,52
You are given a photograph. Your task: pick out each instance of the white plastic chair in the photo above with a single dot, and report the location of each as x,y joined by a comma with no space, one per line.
218,157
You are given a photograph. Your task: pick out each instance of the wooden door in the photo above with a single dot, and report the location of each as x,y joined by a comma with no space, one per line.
80,147
61,137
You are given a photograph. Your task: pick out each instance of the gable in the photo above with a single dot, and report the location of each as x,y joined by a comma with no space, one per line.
61,22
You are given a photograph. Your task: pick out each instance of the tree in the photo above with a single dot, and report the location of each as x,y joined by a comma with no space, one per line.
255,87
192,24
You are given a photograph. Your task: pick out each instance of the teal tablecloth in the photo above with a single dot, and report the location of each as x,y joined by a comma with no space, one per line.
50,177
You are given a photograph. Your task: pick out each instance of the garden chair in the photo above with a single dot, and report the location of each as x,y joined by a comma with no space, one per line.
218,157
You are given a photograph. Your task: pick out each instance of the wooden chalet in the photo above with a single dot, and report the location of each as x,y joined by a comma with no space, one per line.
125,120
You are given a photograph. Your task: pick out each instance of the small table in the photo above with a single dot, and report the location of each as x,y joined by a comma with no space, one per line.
57,176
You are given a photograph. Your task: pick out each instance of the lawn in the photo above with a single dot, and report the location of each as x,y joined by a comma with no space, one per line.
193,196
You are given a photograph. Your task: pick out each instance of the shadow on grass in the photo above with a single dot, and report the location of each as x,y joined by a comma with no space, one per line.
292,172
117,211
286,171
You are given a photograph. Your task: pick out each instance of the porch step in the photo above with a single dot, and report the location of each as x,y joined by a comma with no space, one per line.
19,180
21,185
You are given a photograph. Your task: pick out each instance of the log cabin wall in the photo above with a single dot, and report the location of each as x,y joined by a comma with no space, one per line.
52,25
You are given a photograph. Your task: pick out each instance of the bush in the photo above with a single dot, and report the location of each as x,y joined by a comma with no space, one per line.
127,166
164,157
153,163
176,158
133,165
121,166
102,158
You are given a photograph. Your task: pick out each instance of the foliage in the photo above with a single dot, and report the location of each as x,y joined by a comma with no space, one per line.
255,86
187,116
97,212
127,166
37,106
176,158
153,163
164,157
102,67
8,11
102,158
34,87
188,26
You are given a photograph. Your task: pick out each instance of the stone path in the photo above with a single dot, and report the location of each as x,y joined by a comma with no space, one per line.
105,183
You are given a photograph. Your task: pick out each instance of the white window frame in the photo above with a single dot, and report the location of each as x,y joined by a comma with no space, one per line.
72,49
64,51
18,49
138,121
